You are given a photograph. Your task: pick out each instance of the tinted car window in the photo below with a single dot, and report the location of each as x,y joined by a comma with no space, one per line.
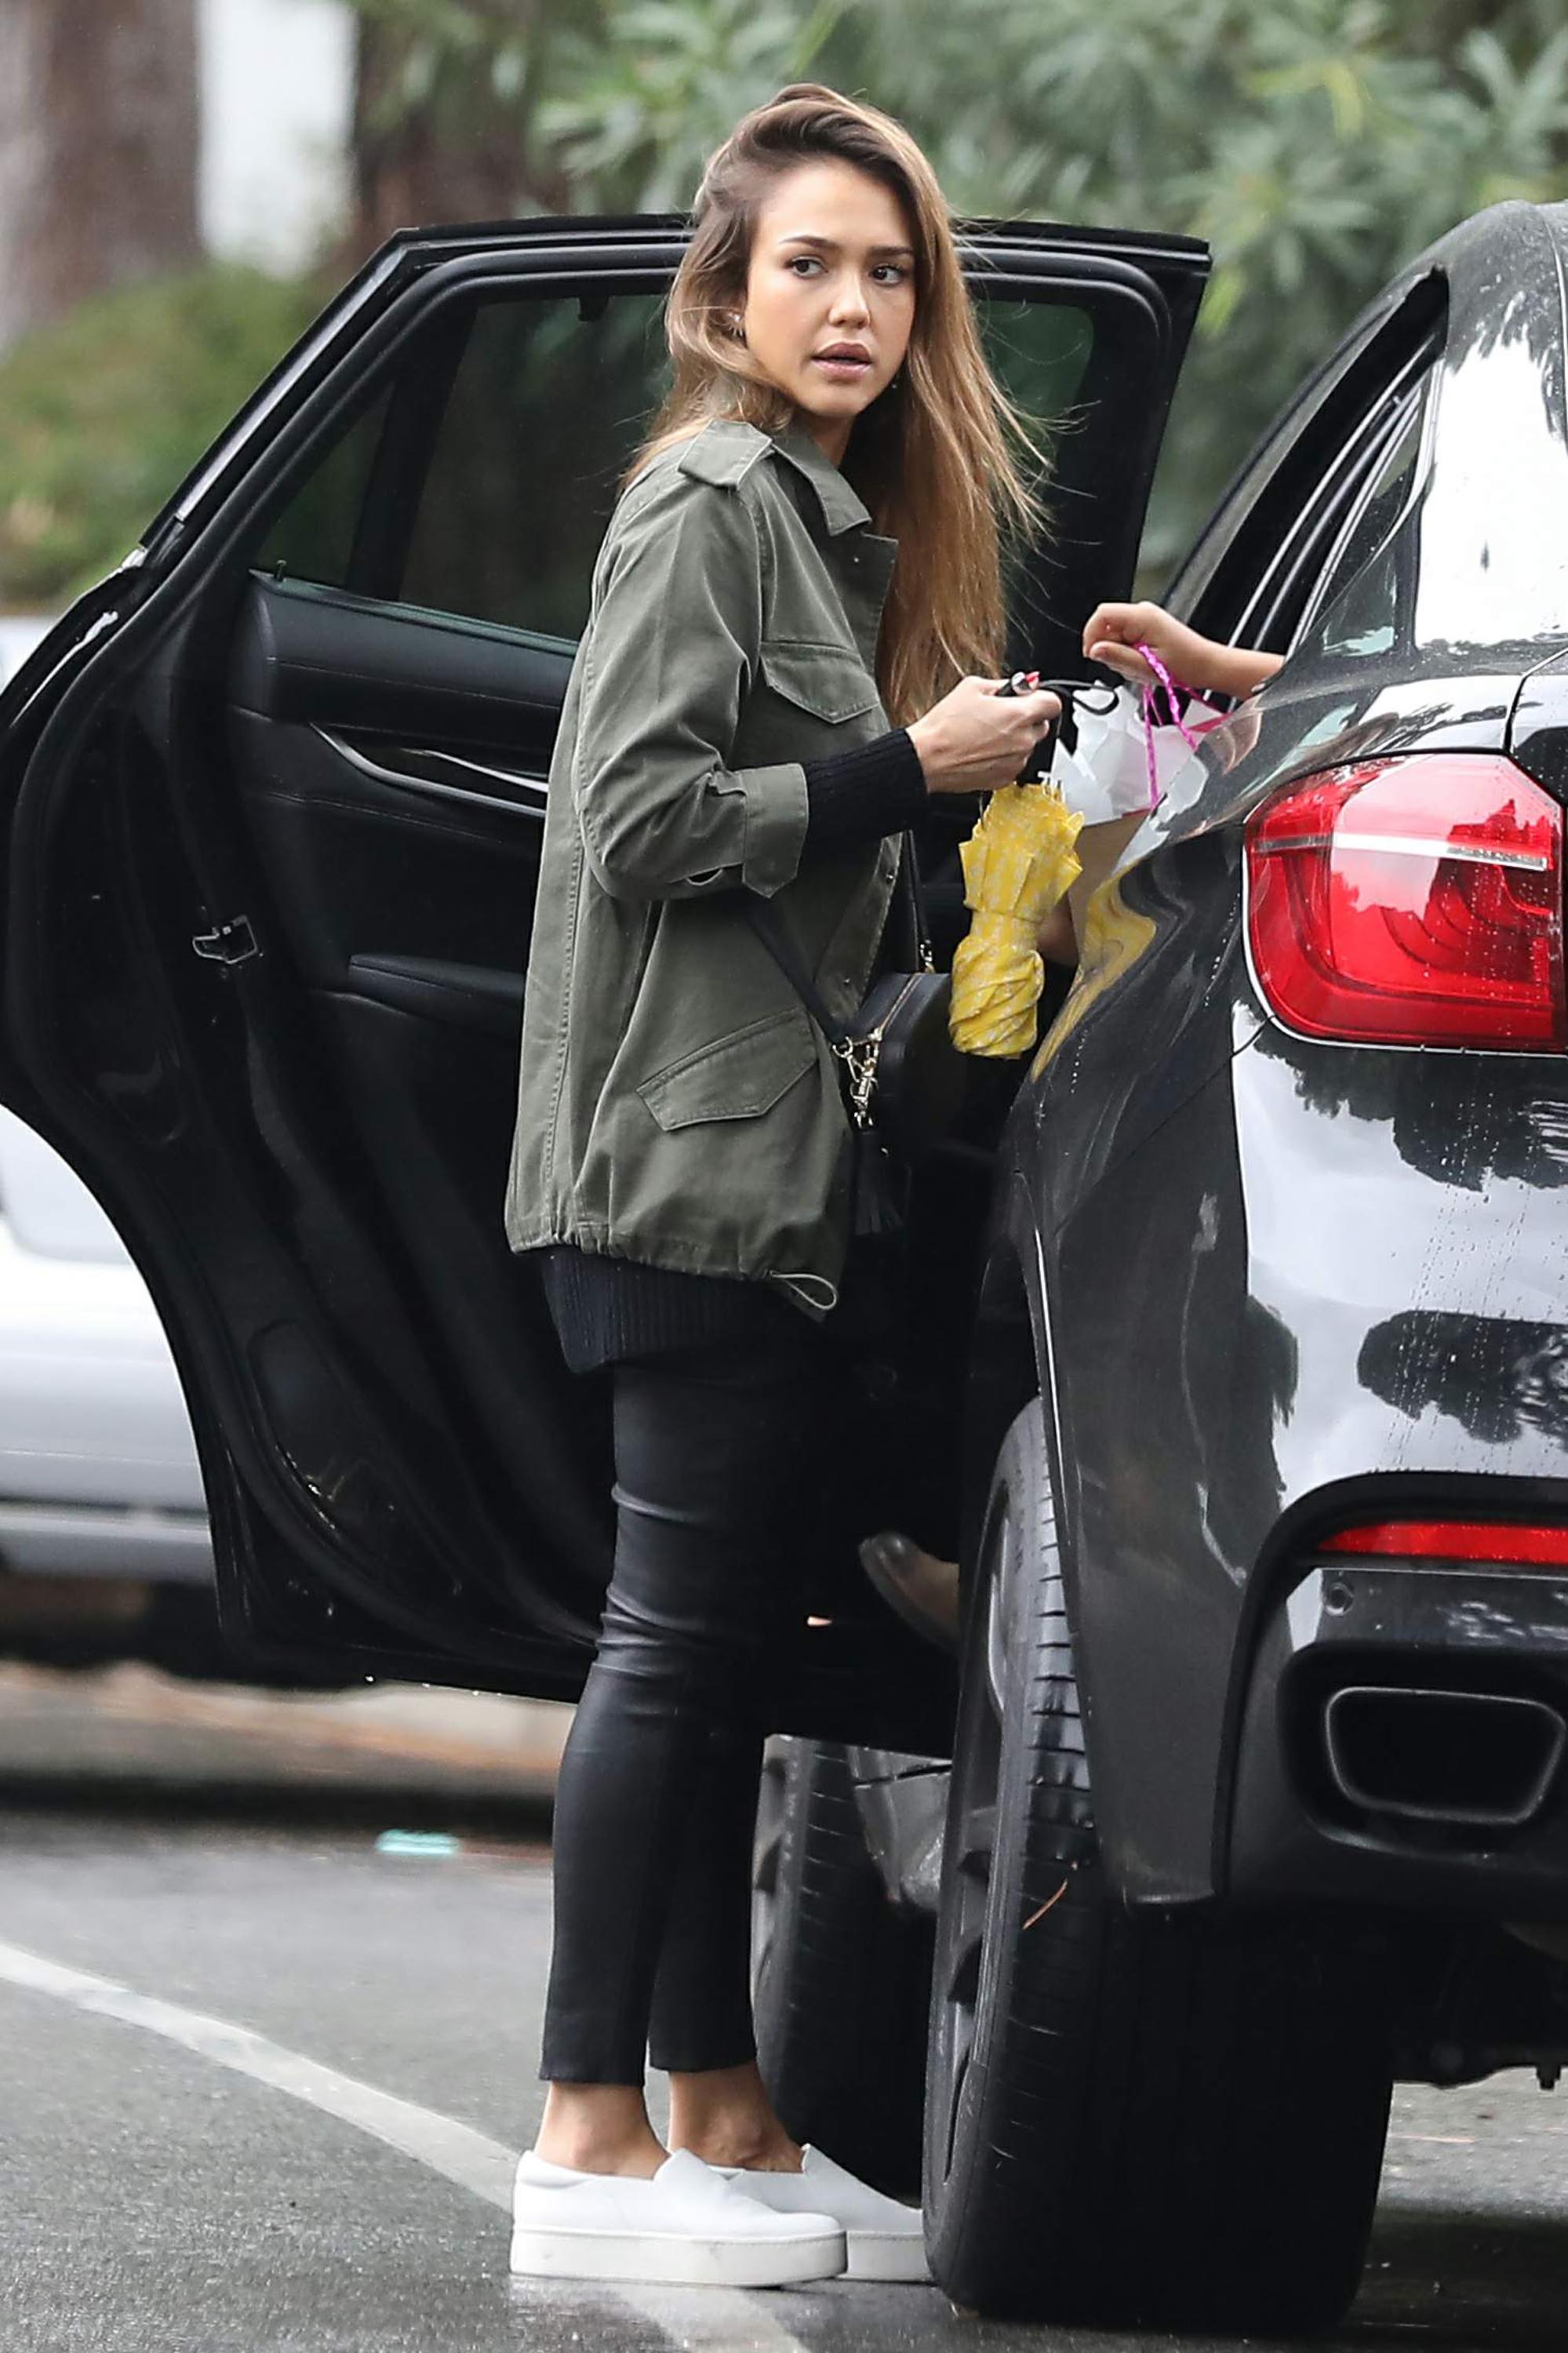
548,398
546,409
1040,352
313,538
1258,565
1309,548
1355,610
549,403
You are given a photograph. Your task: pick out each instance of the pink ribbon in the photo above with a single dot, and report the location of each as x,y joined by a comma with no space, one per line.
1162,683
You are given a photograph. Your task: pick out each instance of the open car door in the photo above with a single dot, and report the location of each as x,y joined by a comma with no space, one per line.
271,800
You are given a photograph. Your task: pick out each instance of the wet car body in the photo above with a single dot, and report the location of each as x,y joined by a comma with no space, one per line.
1282,1284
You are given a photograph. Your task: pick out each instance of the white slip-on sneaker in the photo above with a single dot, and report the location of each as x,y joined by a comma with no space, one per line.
883,2238
689,2224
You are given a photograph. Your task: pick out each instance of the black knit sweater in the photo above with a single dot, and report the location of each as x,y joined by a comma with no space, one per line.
605,1309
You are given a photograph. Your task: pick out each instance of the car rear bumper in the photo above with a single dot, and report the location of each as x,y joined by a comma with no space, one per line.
87,1540
1404,1742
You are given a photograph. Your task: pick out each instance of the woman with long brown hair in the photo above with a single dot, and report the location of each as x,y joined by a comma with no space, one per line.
796,623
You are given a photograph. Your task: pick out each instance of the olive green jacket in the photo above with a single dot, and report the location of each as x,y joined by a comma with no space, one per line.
677,1104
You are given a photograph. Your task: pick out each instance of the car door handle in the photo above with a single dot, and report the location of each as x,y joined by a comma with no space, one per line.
526,796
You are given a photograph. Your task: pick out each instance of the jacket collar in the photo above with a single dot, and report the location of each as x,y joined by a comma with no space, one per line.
726,448
841,510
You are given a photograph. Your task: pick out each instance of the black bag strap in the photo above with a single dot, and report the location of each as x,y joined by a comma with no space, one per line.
763,917
908,881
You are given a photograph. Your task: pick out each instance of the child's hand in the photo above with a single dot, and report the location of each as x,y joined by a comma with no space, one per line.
1199,662
1115,630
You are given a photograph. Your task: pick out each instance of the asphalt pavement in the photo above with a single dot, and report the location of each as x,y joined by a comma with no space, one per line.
267,2066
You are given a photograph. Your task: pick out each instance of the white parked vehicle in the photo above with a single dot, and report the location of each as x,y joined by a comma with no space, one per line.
98,1466
19,633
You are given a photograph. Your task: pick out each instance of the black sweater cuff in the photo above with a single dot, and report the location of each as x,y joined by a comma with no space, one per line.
854,797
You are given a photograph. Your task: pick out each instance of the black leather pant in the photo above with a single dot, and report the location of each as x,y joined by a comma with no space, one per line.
718,1461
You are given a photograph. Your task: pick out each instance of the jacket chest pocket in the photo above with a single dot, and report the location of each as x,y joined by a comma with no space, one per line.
828,680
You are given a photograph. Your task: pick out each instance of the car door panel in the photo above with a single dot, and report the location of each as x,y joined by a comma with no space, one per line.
305,654
403,903
429,773
342,720
336,784
466,995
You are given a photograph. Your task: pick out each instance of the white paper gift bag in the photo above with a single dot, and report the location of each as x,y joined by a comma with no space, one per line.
1126,755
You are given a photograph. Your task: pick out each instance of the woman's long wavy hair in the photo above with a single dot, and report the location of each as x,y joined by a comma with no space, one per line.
942,458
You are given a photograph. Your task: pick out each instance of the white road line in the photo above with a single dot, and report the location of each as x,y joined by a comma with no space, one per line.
468,2157
698,2317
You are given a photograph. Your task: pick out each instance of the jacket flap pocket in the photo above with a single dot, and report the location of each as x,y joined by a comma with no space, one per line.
735,1077
826,680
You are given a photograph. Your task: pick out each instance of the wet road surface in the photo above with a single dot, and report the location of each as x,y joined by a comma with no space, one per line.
333,2175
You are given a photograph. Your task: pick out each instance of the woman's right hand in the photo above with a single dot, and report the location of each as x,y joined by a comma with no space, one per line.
977,739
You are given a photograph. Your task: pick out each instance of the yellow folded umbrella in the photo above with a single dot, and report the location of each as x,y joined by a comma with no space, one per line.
1018,862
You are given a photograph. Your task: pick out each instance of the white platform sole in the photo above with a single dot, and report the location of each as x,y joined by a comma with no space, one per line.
671,2259
885,2255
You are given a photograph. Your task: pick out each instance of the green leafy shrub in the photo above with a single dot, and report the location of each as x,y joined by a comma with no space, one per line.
103,411
1317,144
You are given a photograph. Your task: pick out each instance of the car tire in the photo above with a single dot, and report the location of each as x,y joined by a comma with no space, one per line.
841,1976
1168,2121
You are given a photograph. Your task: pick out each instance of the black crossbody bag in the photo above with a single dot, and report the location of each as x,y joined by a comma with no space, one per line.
903,1078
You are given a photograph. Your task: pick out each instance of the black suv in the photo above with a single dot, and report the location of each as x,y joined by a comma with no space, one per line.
1253,1325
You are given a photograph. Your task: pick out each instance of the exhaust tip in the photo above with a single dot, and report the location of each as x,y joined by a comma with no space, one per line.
1472,1761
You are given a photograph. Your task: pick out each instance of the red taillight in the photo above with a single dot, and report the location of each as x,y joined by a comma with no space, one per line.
1414,902
1485,1540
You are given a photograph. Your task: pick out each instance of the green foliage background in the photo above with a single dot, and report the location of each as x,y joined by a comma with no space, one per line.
1318,145
104,411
